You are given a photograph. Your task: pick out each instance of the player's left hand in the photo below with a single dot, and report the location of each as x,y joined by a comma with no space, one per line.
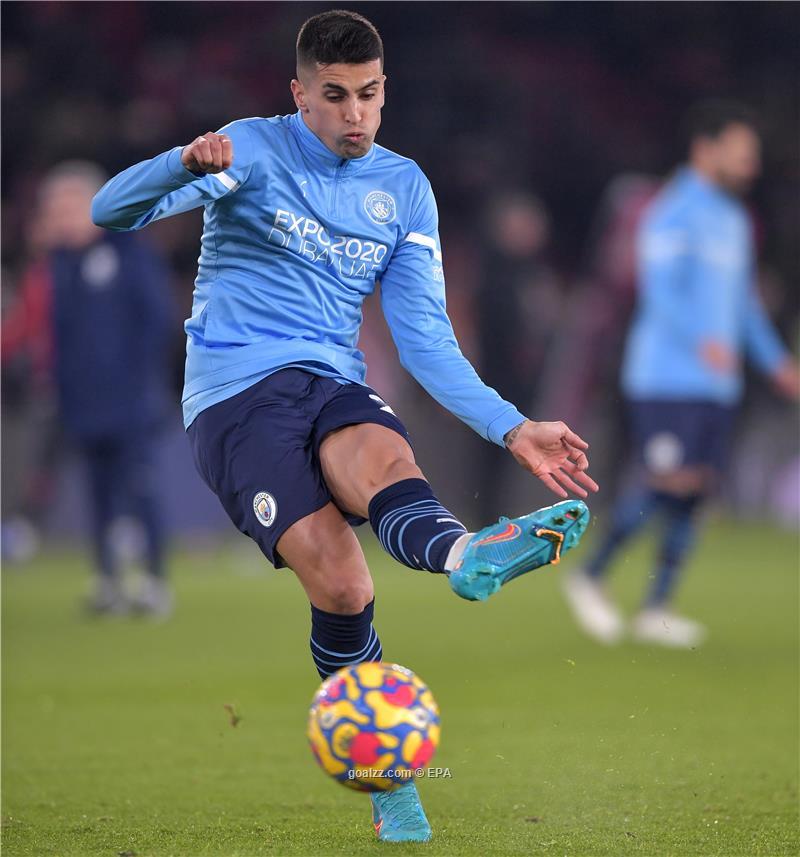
555,454
787,379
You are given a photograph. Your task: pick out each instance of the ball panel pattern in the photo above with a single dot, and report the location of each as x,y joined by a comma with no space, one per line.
372,725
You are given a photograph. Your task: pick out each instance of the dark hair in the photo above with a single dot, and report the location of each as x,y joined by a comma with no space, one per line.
711,118
338,36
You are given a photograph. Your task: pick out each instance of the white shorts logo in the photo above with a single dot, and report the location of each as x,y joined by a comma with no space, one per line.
383,405
265,507
380,207
663,453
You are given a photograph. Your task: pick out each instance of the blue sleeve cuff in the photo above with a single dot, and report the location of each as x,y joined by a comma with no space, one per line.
177,169
500,426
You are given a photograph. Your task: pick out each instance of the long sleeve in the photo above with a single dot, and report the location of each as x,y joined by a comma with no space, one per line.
413,300
162,186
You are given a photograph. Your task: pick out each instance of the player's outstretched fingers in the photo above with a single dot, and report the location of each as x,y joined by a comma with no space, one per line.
578,473
574,440
578,459
551,483
587,481
569,483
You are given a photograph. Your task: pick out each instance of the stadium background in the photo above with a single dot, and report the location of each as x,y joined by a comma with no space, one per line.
570,102
577,104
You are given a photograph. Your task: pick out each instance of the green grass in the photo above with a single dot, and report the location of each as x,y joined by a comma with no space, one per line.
115,738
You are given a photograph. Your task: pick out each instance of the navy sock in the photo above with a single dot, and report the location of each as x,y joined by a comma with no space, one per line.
630,513
678,540
338,640
413,526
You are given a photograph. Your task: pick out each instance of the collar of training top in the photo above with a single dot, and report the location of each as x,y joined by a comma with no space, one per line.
320,153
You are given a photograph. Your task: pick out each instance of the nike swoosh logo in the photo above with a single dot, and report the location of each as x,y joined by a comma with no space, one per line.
510,532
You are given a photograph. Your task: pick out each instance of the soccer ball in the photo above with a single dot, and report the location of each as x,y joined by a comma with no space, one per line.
373,725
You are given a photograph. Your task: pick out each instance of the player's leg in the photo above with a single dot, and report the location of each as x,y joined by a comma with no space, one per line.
706,438
656,441
655,437
253,450
370,469
680,497
327,559
371,472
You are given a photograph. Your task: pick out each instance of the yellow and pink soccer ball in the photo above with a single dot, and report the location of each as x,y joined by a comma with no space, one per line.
373,726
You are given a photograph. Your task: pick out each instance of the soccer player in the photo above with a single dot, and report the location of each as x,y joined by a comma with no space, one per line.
304,214
698,314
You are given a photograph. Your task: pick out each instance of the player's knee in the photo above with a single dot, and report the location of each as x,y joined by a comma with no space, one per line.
687,481
395,469
348,596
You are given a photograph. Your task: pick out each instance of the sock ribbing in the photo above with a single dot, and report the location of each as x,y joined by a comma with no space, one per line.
412,525
339,640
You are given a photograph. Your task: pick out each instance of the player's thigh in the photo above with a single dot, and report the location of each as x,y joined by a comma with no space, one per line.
327,559
670,439
362,446
254,452
360,460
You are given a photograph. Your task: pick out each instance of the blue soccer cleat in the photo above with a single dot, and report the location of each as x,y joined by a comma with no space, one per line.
398,815
509,548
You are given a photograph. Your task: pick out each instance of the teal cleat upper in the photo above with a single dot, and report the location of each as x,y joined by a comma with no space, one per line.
515,546
398,815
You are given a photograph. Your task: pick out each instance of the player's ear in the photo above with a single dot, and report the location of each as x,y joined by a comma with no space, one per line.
299,95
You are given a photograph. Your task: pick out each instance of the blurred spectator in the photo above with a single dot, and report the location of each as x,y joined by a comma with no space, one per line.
597,313
698,312
517,304
94,312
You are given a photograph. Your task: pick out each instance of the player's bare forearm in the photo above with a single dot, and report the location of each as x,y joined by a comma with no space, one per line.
552,452
209,153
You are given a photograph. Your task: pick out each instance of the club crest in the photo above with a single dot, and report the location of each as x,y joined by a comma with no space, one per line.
380,207
265,508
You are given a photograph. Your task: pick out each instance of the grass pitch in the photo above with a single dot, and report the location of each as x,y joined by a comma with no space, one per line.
116,738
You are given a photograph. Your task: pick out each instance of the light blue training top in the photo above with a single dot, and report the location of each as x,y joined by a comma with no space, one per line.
696,272
294,239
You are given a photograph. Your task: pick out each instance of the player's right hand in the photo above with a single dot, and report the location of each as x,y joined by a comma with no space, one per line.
555,454
209,153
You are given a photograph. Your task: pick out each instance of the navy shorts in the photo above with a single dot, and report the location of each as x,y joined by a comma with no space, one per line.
671,434
259,450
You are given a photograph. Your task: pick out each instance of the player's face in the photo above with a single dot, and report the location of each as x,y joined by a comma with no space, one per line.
341,103
738,158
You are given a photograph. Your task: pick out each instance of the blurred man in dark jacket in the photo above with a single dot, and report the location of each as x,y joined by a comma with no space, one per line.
111,317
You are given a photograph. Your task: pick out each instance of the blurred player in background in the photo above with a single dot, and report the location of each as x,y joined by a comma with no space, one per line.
303,214
108,299
698,314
